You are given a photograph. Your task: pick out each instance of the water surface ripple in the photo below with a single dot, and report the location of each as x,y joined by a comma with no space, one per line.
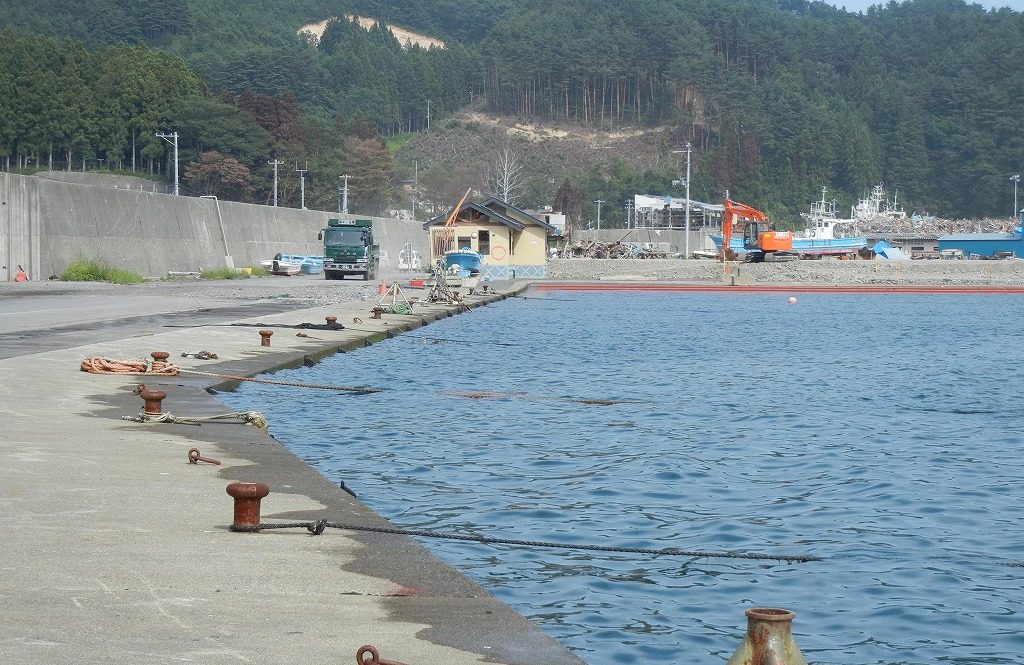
877,431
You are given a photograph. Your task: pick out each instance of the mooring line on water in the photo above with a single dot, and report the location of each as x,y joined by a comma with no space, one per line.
293,384
317,527
551,299
492,394
405,335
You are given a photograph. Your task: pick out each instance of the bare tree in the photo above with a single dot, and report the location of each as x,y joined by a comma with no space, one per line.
505,177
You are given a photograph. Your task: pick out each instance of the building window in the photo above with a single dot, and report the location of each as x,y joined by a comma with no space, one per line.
484,242
465,241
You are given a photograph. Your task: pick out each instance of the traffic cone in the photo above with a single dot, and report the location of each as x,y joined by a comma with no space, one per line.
383,288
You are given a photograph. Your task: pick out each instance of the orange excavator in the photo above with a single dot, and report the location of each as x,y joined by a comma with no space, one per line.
759,241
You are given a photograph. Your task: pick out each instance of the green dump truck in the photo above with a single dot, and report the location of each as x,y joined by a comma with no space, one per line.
349,249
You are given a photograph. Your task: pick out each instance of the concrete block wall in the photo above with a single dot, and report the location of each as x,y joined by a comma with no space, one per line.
45,224
19,227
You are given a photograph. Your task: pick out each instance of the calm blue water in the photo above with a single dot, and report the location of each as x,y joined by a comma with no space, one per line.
881,432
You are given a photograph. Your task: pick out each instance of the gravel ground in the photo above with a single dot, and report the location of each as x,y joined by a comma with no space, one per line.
315,291
924,272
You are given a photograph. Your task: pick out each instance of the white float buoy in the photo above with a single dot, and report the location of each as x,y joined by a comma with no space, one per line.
792,300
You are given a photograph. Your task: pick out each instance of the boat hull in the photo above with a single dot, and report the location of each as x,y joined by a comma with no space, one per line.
464,260
807,246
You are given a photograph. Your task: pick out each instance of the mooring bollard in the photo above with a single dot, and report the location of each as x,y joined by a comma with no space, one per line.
159,360
265,337
331,320
152,400
247,505
769,639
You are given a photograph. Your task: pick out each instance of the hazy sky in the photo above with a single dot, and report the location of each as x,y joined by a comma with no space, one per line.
861,5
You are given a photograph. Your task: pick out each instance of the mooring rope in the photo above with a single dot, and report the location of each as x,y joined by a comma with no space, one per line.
294,384
254,418
406,335
491,394
317,527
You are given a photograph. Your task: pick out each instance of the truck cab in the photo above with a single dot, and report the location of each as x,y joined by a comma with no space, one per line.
349,249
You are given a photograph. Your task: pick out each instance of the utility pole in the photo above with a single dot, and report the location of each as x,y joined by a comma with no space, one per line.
344,200
302,184
1015,179
686,181
597,235
428,115
275,163
168,137
415,186
629,216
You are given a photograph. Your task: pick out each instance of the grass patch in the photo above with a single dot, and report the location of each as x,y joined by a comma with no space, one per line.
231,273
396,141
94,271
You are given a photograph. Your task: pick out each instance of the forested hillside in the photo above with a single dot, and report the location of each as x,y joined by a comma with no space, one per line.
777,98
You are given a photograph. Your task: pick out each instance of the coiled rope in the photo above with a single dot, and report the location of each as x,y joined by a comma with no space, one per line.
133,366
317,527
254,418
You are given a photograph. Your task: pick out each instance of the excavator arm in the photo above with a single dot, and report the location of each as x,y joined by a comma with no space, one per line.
732,211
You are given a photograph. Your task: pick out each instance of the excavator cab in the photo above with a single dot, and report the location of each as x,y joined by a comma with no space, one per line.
752,235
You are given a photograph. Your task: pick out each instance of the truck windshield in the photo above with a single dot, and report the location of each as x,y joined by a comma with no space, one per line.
345,237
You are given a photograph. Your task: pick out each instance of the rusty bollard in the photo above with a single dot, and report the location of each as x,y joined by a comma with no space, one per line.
265,337
331,320
368,655
159,360
376,311
247,505
769,639
152,400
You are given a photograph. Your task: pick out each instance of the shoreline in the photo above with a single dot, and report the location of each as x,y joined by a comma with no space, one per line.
825,272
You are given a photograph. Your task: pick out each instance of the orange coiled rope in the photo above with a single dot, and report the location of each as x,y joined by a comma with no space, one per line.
138,366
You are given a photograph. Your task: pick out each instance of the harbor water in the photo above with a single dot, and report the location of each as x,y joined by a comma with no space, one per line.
879,432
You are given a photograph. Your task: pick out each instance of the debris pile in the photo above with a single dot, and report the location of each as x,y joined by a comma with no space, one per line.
590,249
886,226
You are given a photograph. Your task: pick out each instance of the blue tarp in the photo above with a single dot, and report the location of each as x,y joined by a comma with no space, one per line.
884,250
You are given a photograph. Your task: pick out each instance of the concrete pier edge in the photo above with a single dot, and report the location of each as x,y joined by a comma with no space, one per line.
136,561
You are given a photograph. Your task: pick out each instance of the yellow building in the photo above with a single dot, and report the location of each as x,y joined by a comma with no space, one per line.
512,242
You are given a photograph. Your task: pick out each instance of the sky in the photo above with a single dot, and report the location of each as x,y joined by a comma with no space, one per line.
861,5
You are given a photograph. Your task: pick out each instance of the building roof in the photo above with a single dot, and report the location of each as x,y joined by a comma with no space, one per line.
648,201
495,201
980,236
487,208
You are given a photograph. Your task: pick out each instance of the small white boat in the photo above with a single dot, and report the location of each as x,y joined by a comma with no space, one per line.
282,267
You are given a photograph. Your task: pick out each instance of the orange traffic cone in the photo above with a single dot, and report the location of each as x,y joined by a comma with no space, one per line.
383,288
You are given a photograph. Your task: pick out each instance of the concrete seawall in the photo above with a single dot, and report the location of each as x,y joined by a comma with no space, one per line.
45,224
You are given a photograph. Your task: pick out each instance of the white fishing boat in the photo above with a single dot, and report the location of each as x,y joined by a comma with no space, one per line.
876,206
281,265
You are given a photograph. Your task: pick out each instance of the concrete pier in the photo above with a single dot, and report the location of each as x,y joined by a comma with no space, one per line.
117,549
